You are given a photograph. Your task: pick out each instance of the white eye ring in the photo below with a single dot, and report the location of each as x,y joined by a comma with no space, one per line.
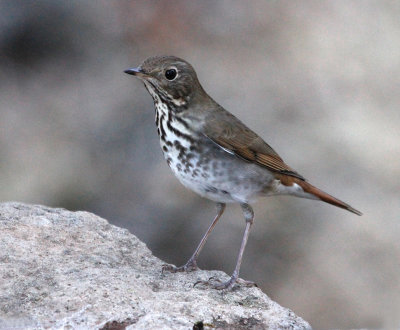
171,73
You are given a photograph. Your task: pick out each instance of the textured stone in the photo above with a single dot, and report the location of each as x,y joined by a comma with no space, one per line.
62,269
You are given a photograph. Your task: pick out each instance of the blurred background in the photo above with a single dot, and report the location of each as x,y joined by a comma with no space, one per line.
319,81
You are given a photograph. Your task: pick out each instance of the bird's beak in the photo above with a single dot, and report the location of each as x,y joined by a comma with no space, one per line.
136,72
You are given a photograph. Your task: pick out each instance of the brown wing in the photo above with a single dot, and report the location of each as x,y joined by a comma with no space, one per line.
233,136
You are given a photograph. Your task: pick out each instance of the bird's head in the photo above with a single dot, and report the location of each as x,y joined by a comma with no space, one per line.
169,79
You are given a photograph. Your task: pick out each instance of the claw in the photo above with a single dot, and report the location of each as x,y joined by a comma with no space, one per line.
245,283
168,268
190,266
217,284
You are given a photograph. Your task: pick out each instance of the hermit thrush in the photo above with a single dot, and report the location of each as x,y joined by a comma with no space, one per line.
213,153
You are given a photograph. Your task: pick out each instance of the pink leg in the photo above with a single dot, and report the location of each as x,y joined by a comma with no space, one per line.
217,284
191,264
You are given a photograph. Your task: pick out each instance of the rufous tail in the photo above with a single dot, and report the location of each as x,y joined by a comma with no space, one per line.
323,196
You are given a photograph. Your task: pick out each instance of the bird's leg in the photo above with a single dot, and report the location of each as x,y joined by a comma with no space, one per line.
216,283
191,264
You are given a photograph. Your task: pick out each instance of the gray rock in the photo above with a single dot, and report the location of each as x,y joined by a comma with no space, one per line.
62,269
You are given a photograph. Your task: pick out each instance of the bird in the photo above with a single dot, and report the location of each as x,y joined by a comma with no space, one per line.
215,154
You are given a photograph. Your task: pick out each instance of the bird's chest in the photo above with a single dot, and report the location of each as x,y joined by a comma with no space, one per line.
178,143
198,163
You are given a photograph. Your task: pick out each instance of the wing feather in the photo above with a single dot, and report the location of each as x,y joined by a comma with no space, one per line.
233,136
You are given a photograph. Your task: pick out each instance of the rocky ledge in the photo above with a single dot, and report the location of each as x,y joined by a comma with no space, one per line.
62,269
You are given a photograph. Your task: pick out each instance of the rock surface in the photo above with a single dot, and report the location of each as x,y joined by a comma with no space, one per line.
62,269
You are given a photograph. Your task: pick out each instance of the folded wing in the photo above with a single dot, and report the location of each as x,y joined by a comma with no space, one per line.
233,136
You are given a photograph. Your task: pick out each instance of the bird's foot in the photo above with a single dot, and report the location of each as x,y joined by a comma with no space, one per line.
217,284
190,266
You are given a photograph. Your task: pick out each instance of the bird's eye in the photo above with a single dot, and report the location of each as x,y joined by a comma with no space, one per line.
170,74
